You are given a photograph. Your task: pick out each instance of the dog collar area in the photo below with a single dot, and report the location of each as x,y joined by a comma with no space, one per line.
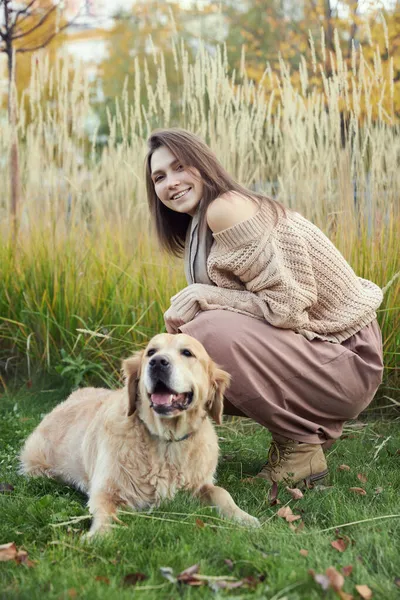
185,437
182,439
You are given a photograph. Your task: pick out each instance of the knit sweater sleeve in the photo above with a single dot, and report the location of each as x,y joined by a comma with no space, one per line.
254,276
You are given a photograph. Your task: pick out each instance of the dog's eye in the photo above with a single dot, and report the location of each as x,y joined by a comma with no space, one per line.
151,352
186,352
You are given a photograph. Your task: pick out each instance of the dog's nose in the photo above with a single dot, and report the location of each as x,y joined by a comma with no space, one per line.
159,363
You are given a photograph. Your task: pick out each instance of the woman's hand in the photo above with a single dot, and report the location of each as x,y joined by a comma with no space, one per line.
172,320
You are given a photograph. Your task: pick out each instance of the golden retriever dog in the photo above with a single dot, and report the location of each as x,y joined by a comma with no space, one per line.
141,444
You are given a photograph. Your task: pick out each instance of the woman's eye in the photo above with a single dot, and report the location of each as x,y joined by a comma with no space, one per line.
186,352
158,178
151,352
179,167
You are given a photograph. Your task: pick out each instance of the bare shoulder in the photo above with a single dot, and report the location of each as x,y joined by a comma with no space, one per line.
229,209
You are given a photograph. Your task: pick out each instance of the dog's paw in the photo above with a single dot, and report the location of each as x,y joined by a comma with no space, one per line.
248,520
94,533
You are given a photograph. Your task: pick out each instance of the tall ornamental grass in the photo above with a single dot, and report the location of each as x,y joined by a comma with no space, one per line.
84,283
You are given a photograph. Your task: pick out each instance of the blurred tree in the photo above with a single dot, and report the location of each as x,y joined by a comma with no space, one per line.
268,29
135,45
25,27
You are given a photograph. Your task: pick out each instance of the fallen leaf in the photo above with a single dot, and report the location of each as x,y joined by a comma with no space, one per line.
200,523
344,467
291,518
284,512
8,551
72,593
250,582
344,596
248,480
189,571
364,591
358,490
295,493
397,581
336,579
347,570
188,576
323,581
228,562
379,490
22,558
102,579
6,487
304,552
339,545
362,477
133,578
221,584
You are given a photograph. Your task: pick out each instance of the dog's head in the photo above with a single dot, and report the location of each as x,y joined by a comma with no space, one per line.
175,375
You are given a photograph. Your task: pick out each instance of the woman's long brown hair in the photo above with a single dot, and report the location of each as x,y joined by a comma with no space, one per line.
191,151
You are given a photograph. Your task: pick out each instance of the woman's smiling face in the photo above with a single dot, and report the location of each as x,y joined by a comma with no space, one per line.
179,187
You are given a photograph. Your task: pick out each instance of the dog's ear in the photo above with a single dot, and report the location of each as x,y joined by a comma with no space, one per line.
219,382
131,368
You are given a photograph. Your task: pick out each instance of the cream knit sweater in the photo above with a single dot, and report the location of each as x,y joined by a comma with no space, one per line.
287,273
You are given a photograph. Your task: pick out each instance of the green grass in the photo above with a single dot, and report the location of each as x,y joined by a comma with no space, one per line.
66,568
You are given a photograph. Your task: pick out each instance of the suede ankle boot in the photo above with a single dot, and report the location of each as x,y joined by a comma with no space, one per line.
291,462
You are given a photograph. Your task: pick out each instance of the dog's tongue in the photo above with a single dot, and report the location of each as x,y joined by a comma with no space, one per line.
166,398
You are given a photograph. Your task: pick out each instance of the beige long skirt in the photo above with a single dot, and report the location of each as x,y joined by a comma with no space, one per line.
303,390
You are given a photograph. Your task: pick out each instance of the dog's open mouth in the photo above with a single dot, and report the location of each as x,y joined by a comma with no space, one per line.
165,401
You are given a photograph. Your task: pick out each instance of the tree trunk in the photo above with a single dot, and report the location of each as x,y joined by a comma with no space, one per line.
14,158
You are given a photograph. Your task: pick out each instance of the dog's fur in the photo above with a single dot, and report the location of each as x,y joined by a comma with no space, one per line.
124,447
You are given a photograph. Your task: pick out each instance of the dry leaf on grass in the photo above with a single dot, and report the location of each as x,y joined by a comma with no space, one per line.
332,579
291,518
344,467
358,490
102,579
321,579
286,513
340,545
295,493
304,552
191,576
133,578
379,490
362,477
364,591
344,596
336,579
6,487
347,570
229,563
8,551
200,524
397,581
72,593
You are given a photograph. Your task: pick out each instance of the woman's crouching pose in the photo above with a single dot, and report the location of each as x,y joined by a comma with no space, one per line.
271,299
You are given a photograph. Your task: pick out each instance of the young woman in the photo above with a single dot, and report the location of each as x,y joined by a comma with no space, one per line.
272,300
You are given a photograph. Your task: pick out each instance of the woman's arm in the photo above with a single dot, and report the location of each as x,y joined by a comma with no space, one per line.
253,261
